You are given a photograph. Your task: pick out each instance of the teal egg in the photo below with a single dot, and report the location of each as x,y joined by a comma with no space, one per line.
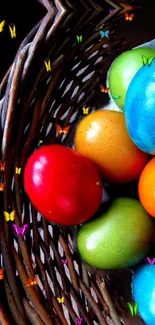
140,108
143,290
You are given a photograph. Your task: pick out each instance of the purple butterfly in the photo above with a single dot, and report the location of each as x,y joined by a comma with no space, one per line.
151,261
20,230
111,11
79,321
65,261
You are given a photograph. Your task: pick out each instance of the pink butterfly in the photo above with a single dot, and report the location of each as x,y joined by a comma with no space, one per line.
79,321
151,261
65,261
20,230
111,11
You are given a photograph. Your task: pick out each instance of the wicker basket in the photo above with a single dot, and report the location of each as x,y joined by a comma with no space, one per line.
33,100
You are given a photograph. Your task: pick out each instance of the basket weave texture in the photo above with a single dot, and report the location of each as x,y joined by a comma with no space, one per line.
33,100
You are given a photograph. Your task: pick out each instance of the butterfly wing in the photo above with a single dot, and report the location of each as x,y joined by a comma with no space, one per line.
131,308
15,229
2,25
59,129
144,58
1,187
6,215
46,65
101,33
14,31
78,321
1,273
150,60
2,165
11,31
28,283
12,215
107,33
66,129
148,259
135,308
126,16
24,229
131,17
35,281
49,65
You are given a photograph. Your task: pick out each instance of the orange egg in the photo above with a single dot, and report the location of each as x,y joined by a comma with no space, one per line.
146,187
102,137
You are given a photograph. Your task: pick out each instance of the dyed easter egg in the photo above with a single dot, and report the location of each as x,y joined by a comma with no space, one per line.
146,187
140,108
102,137
120,237
63,185
143,290
123,70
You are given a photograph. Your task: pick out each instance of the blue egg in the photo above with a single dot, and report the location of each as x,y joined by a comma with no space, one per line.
140,108
143,290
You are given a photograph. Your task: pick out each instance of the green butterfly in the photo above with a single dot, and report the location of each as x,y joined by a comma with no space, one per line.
133,309
147,60
79,38
116,97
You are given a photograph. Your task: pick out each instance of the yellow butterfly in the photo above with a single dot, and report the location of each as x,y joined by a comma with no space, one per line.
85,110
2,25
12,31
9,217
18,170
61,300
48,65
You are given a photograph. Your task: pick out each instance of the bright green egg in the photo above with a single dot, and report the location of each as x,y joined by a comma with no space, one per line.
119,238
122,71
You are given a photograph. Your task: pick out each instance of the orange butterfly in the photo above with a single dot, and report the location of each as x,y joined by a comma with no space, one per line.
31,282
1,187
129,17
2,273
61,130
104,90
2,165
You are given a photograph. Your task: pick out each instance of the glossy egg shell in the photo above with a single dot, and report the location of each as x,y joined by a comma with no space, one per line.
102,137
63,185
143,290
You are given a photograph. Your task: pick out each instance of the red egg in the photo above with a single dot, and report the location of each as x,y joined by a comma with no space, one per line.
63,185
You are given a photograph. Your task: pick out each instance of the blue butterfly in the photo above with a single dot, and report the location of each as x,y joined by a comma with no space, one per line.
104,34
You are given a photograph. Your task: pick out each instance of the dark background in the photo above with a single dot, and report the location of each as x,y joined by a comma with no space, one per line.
25,14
